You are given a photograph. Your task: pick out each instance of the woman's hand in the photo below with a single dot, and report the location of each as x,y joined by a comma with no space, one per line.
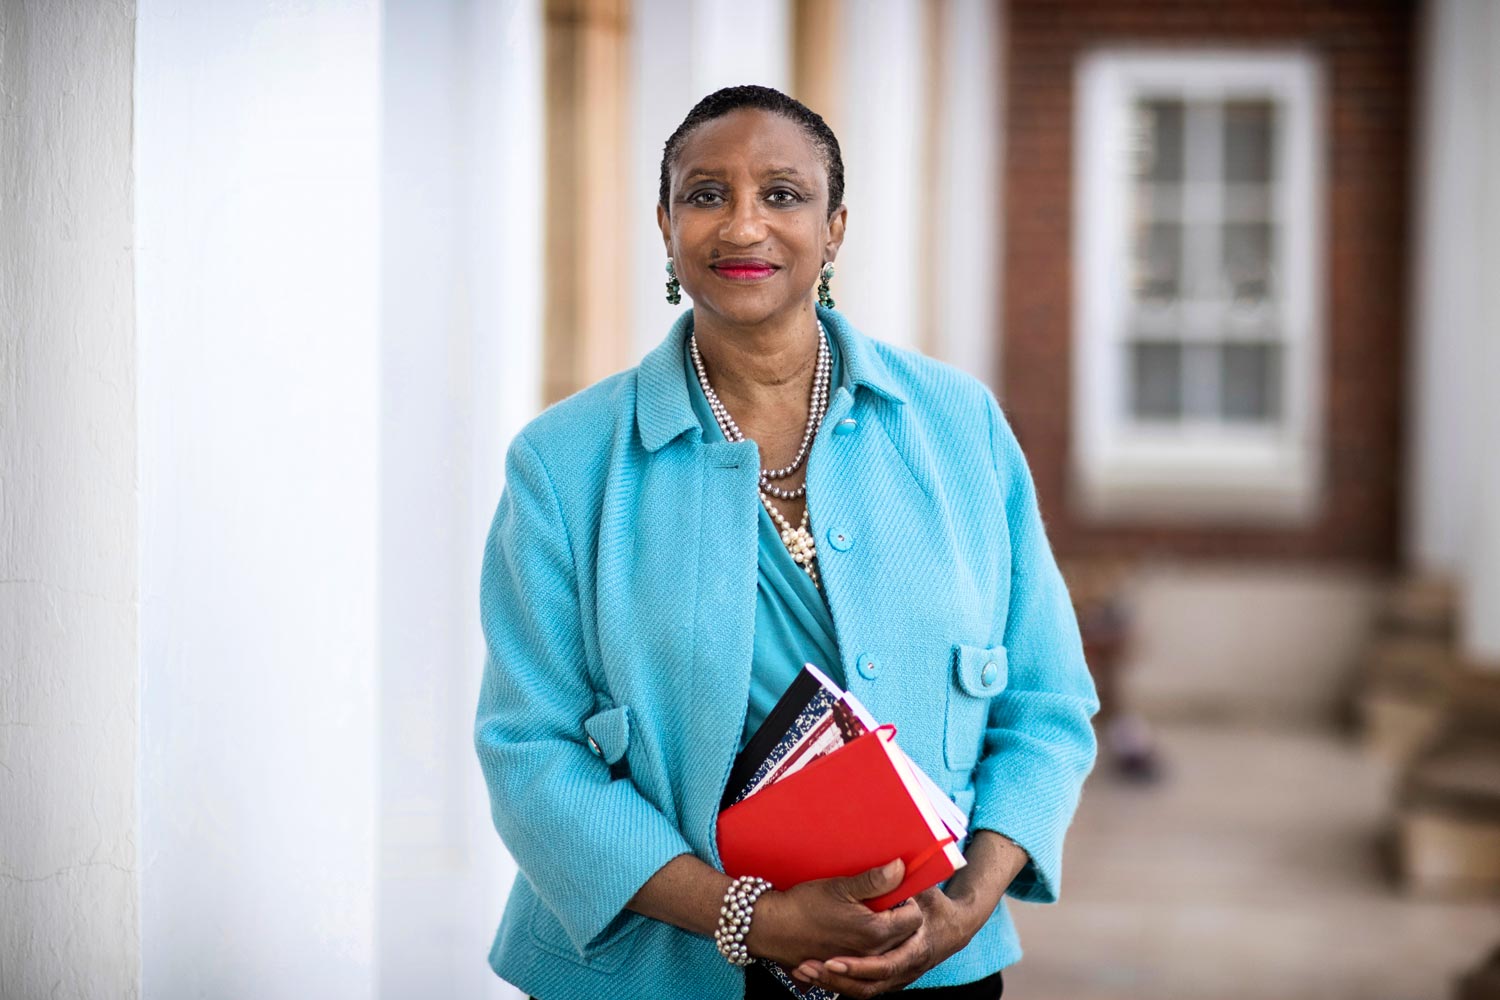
829,917
949,920
946,927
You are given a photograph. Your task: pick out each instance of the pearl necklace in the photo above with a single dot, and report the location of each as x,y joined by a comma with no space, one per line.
816,407
799,540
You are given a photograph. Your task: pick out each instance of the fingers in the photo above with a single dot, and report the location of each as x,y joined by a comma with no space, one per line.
869,976
865,933
836,920
876,881
899,923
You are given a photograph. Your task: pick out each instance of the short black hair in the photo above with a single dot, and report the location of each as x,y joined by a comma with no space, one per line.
721,102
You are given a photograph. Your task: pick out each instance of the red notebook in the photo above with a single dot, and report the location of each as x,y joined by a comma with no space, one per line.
846,812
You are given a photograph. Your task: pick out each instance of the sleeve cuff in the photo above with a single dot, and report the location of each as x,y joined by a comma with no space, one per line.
1029,795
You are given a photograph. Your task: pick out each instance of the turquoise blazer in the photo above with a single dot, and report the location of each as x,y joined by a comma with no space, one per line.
618,607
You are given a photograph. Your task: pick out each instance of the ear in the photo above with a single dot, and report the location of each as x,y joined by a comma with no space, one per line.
664,223
836,231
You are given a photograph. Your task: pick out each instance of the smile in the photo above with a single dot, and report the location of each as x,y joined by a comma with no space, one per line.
744,272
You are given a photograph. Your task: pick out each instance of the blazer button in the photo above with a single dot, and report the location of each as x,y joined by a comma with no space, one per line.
989,673
841,540
845,426
867,667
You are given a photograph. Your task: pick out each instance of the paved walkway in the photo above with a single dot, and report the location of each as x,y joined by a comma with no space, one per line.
1252,870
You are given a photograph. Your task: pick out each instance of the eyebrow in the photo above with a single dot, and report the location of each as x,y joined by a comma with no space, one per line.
712,174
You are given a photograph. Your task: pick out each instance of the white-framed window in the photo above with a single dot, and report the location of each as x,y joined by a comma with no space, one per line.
1198,284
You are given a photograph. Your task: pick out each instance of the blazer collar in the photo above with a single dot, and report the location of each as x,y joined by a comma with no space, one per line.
664,411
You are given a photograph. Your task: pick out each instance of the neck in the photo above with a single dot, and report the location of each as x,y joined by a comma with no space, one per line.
770,364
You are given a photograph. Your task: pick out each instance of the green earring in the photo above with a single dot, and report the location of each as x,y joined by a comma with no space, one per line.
674,287
824,277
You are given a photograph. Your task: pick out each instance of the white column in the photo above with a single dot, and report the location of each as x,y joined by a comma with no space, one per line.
965,194
1447,285
1454,521
682,51
503,283
259,287
879,271
461,247
504,237
1481,603
503,278
69,691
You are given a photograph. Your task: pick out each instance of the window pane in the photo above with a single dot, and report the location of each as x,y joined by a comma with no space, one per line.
1158,127
1247,261
1248,138
1158,261
1156,381
1201,374
1252,382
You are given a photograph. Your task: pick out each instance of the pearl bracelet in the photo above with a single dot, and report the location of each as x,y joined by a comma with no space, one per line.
734,917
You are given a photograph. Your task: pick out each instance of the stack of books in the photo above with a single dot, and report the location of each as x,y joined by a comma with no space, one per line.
822,790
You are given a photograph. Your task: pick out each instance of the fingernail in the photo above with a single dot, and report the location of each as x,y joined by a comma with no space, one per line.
837,966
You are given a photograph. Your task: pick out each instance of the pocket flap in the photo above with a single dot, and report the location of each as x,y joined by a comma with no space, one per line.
981,670
609,732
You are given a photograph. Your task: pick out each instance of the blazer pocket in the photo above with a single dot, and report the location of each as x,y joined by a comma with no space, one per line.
979,673
608,735
607,953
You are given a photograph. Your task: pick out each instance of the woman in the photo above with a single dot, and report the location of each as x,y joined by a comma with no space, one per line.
769,487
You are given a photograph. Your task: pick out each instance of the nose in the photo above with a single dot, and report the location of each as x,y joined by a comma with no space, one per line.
746,224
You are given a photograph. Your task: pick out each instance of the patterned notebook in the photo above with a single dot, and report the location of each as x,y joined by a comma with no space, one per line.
812,718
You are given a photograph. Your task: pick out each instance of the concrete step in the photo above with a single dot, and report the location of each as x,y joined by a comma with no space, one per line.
1400,691
1448,799
1419,606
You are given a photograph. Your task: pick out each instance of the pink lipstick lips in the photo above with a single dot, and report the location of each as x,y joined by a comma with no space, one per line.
744,270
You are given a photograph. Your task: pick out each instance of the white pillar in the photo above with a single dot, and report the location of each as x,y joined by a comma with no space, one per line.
880,268
259,287
461,247
1454,511
966,193
503,277
1481,604
1447,286
69,692
682,51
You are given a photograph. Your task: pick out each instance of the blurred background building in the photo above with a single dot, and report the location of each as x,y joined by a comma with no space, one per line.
278,281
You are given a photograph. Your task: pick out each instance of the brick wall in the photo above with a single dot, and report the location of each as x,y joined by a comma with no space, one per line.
1367,50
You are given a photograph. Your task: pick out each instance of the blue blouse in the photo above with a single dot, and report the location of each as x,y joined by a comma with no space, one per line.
792,623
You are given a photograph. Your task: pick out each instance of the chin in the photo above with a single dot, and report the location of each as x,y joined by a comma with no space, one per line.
744,310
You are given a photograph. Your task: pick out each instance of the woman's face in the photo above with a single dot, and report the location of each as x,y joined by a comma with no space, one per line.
749,228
